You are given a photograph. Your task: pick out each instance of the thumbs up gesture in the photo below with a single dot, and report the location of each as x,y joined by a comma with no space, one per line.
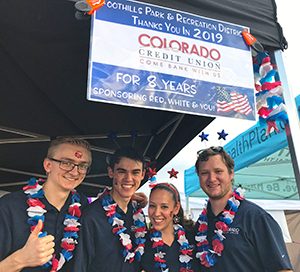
37,251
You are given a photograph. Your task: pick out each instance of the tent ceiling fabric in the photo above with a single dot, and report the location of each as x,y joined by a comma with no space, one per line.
43,73
259,15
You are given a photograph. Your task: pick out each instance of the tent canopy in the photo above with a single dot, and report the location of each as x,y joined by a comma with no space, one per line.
44,52
262,165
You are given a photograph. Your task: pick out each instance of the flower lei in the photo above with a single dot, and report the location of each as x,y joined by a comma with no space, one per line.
207,256
185,251
139,227
36,211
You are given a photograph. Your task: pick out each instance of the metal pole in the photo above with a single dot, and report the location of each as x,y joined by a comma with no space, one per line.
292,129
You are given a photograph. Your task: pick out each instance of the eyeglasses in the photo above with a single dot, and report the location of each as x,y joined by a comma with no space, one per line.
82,168
203,154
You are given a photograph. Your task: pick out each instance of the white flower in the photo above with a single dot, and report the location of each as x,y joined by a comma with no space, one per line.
75,204
129,256
156,239
213,252
71,222
37,210
140,234
110,207
235,201
202,222
160,254
200,238
219,232
69,240
184,258
33,190
182,239
140,249
138,216
61,261
228,215
199,254
118,222
125,238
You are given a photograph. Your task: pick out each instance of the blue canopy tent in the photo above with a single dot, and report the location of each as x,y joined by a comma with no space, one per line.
262,165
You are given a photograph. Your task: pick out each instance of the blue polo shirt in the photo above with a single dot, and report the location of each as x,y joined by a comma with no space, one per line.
14,229
254,242
100,250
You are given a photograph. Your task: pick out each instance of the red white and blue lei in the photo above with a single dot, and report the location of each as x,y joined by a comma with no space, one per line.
185,251
207,255
36,211
139,227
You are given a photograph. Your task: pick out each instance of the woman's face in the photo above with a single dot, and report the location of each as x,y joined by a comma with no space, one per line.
162,209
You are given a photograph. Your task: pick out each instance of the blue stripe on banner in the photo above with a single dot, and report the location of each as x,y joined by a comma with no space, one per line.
139,88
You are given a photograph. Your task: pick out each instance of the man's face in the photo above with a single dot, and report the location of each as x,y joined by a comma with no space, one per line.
215,179
64,180
126,178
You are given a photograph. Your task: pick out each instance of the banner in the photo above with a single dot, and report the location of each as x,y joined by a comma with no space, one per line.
148,56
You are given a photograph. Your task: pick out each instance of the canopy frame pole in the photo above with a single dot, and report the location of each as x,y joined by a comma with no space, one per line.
169,136
292,129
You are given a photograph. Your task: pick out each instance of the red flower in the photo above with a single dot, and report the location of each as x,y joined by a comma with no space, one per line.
229,212
202,227
203,243
140,229
180,233
75,210
237,196
157,259
32,202
116,229
222,226
187,252
111,210
217,246
203,259
71,229
157,244
67,246
183,269
54,264
27,187
128,246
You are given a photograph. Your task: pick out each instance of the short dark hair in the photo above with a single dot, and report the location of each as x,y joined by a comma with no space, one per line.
204,154
68,140
124,152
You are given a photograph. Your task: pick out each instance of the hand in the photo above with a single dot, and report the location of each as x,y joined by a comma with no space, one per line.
141,199
37,251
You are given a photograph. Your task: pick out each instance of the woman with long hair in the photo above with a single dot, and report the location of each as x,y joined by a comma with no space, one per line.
167,247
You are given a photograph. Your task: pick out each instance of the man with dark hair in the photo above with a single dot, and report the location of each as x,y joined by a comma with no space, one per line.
233,234
113,229
39,225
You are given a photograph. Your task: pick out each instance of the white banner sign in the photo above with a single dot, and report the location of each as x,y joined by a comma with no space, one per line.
153,57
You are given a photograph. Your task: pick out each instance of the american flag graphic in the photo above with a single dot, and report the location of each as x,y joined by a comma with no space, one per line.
233,102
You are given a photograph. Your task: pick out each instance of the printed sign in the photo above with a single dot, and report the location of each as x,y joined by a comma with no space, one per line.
148,56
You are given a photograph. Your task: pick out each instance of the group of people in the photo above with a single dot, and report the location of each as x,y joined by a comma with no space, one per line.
48,226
